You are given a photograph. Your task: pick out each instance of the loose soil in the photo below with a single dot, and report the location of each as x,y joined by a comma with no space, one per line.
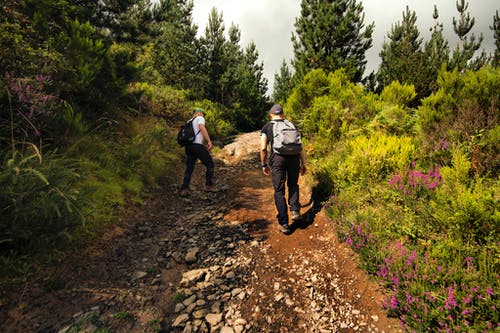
127,279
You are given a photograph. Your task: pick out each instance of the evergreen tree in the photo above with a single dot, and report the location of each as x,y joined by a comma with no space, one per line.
330,34
496,34
282,83
437,52
402,57
175,48
212,53
233,56
463,55
251,90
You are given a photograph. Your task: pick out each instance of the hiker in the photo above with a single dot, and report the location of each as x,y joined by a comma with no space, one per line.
283,167
199,149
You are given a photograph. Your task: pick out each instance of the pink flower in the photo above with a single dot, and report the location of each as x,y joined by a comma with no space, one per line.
450,300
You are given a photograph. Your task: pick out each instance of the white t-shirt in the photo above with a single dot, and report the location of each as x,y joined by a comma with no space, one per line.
196,126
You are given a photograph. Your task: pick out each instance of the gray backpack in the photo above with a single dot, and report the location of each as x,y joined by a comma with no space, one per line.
286,138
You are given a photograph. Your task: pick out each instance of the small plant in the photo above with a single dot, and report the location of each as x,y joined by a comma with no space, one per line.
123,315
53,284
179,297
154,325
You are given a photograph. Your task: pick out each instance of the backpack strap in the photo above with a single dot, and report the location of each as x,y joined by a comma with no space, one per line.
199,130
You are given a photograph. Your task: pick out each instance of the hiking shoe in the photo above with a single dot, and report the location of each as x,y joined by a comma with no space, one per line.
284,229
210,188
295,215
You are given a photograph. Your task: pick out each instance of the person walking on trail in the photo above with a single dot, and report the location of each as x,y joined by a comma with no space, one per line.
286,161
198,149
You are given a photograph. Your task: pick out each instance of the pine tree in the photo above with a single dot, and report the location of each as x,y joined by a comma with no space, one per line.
437,51
282,83
175,47
496,33
463,56
330,34
402,57
212,55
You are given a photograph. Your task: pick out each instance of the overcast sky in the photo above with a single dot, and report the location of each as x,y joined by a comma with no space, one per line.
270,23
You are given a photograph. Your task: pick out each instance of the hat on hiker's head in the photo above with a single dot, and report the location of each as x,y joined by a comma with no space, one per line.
199,110
276,109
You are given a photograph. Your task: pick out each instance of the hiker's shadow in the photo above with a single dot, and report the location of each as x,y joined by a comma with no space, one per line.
318,198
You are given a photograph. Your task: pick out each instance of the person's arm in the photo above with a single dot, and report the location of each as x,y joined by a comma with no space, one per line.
303,167
205,135
263,154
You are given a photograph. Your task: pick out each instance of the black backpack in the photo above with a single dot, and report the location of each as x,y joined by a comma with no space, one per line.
186,133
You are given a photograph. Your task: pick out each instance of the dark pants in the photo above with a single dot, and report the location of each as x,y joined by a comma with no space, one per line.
194,152
285,169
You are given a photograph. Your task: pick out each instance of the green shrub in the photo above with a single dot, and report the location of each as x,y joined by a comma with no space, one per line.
398,94
375,157
39,202
466,208
465,105
314,84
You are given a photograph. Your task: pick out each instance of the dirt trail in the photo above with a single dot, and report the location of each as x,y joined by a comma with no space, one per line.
252,278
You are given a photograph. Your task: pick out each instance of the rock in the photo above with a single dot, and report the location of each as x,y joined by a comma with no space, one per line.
226,329
190,300
192,276
139,275
180,320
179,307
199,314
213,318
191,256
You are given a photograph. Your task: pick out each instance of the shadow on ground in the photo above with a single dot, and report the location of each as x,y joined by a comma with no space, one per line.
318,198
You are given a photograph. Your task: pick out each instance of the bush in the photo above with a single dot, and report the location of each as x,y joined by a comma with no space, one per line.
465,106
40,205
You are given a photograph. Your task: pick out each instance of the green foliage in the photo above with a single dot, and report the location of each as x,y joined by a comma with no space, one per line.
282,84
162,101
496,34
402,57
314,84
218,120
375,157
463,55
398,94
463,109
331,35
123,315
396,117
40,204
474,203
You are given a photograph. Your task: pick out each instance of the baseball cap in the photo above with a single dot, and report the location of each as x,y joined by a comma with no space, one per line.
276,109
198,110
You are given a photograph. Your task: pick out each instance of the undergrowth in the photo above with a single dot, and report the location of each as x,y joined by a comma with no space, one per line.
54,200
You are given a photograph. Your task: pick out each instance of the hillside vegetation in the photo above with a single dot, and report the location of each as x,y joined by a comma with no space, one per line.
91,96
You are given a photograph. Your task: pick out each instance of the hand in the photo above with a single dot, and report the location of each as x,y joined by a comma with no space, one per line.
209,145
266,170
303,169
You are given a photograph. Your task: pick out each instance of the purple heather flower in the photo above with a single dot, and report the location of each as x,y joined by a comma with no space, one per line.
469,261
394,302
450,300
467,299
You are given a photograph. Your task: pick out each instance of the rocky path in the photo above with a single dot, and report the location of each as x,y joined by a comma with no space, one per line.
210,262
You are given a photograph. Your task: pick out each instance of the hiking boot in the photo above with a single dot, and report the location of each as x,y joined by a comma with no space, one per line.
295,215
184,192
210,188
284,229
